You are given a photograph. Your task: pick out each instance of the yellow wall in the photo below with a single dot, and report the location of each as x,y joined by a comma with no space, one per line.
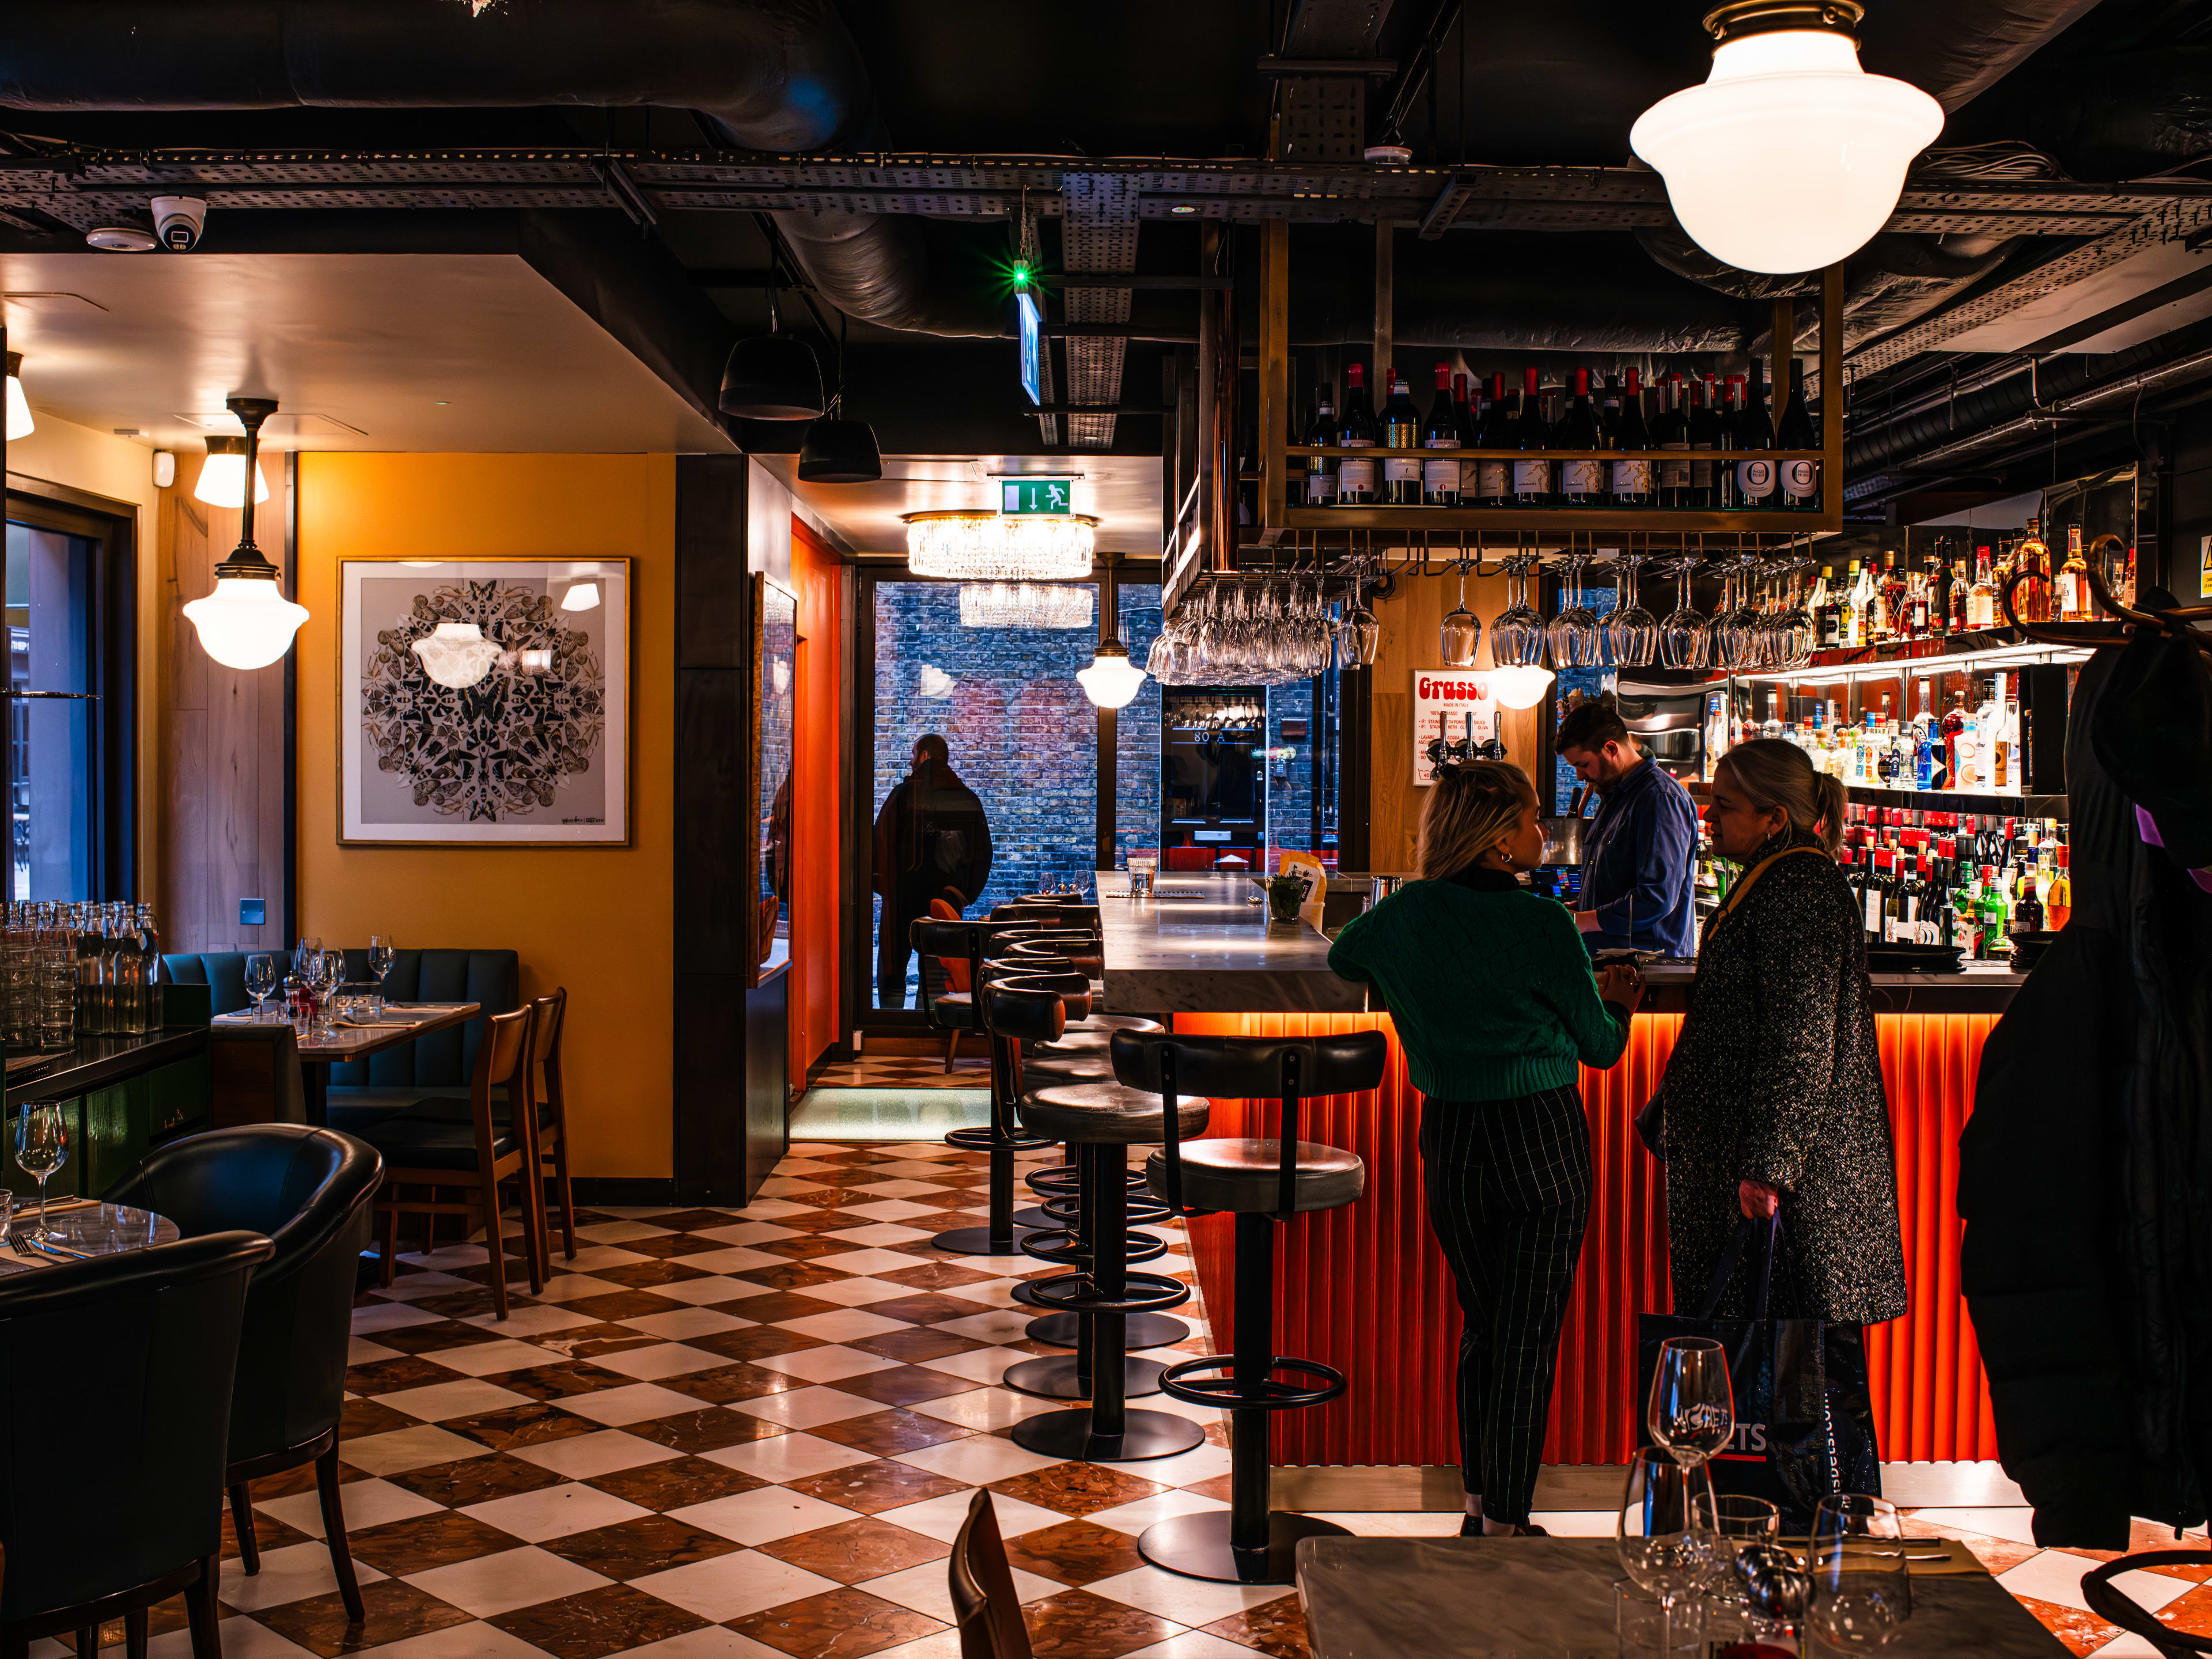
599,921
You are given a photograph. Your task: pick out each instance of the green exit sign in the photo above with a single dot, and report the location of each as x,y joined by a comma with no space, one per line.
1037,495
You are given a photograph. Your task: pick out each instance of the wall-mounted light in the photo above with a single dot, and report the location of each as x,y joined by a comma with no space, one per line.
20,423
223,475
581,596
246,623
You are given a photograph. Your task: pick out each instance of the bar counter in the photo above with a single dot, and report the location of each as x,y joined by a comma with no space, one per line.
1365,1287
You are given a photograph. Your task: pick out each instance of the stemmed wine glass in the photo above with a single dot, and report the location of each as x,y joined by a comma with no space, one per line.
1691,1411
1685,637
260,980
1360,636
382,953
1516,637
1665,1534
41,1148
1631,633
1575,636
1861,1587
1461,637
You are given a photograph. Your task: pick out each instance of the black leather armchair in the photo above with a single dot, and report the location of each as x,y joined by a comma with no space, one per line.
115,1385
310,1191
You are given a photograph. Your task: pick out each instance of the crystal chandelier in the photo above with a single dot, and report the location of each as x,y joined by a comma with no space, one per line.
987,547
1026,604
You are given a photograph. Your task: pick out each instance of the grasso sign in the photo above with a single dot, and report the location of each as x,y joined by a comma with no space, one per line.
1455,704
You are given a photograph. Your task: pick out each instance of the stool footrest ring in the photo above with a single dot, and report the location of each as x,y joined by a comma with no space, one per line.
1230,1394
984,1139
1142,1293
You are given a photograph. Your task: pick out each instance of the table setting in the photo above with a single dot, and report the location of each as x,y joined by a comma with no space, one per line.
64,1229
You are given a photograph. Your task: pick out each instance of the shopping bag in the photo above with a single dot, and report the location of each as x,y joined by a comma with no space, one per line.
1804,1420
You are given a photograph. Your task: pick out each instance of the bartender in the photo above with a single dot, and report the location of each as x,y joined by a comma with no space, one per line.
1639,853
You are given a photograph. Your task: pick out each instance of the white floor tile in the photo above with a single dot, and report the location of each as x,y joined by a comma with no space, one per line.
618,1232
1577,1523
901,1187
984,1366
593,1257
360,1351
1186,1601
1388,1523
1200,1462
679,1322
940,1517
827,1364
657,1360
986,1408
926,1588
699,1292
638,1402
857,1293
1134,1518
1191,1644
730,1586
775,1209
400,1449
871,1259
571,1286
945,1645
979,1460
555,1512
366,1504
488,1359
788,1457
290,1574
889,1209
806,1408
2127,1645
584,1456
513,1578
390,1316
761,1516
845,1325
2056,1576
475,1640
709,1642
436,1402
883,1233
745,1232
2017,1524
533,1321
734,1259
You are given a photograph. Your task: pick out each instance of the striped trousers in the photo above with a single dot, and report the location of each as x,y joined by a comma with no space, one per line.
1509,1190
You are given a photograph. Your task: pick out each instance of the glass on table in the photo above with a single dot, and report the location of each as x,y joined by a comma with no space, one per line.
1862,1584
1642,1629
1691,1411
1664,1533
41,1148
383,952
261,978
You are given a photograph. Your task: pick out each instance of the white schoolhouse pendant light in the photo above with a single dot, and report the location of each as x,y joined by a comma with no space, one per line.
246,623
1790,156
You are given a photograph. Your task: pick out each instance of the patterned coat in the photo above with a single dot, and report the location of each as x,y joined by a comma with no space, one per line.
1775,1078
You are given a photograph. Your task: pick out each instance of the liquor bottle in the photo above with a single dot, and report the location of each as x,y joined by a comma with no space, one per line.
1828,607
1982,597
1772,727
1470,437
1716,731
1531,480
1989,915
1401,429
149,971
1923,744
1952,727
1893,597
1877,627
1320,469
1800,480
1755,480
1857,591
1704,436
2072,587
1967,761
1581,483
1494,479
1956,623
2027,916
2031,558
2058,895
1440,479
1874,897
1916,606
1672,432
1355,480
1631,475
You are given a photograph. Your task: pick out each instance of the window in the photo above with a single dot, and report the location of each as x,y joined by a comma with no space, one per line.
69,600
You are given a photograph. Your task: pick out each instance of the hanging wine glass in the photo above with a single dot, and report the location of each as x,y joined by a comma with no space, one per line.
1631,633
1363,635
1684,637
1461,637
1572,633
1516,637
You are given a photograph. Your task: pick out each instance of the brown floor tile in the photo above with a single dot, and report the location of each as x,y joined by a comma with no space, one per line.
676,1484
620,1304
791,1276
362,1417
1215,1487
709,1429
2084,1633
588,1342
830,1198
269,1533
1076,1624
724,1384
395,1610
917,1345
928,1308
639,1275
475,1479
755,1343
808,1246
687,1221
2191,1612
290,1483
1074,1552
462,1304
421,1338
1076,1488
161,1619
851,1550
934,1276
905,1385
775,1305
841,1624
423,1542
889,1433
531,1424
1276,1628
389,1376
597,1622
873,1487
674,1244
825,1221
630,1549
555,1380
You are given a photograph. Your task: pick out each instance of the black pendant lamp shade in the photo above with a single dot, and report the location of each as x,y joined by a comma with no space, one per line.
773,377
839,450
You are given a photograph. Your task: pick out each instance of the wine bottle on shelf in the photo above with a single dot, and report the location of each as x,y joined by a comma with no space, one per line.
1440,479
1754,479
1704,438
1581,483
1470,437
1531,480
1726,496
1320,469
1632,474
1671,431
2072,587
1608,411
1355,480
1401,429
1800,480
1982,597
1494,479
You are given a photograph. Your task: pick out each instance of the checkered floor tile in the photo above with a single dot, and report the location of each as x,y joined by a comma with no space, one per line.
895,1067
724,1434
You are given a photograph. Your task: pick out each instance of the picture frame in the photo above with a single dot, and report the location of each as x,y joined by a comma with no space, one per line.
771,731
510,726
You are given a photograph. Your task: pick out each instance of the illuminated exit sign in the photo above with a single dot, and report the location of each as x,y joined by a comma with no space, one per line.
1037,495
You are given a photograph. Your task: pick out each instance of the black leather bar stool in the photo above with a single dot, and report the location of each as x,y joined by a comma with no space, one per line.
1003,1136
1102,1122
1261,1182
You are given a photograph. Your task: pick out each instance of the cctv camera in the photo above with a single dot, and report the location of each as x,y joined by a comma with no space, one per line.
180,221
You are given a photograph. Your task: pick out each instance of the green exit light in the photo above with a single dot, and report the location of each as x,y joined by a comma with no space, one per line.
1019,496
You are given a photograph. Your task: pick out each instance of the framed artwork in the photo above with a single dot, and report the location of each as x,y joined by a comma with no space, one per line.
485,702
771,730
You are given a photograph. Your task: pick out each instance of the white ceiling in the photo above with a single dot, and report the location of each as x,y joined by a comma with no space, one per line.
1123,492
2154,267
414,352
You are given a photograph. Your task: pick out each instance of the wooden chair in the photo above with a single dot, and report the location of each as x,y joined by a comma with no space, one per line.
473,1156
552,1125
955,969
984,1609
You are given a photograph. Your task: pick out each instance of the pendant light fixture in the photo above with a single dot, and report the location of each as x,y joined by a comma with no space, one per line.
20,423
838,450
223,475
1026,604
982,546
1790,156
246,623
1112,679
772,376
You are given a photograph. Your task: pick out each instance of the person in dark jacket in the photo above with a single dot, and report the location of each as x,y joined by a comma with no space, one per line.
932,841
1772,1098
1639,853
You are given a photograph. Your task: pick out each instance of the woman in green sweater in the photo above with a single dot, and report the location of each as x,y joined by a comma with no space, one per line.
1493,996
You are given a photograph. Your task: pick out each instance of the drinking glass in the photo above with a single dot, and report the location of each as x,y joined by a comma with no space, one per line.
1691,1411
309,945
1861,1588
382,953
1738,1523
1576,639
41,1148
1641,1629
1684,638
1664,1536
1631,633
1461,637
1516,637
260,980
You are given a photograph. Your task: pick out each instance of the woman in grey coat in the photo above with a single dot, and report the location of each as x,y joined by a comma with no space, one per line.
1772,1098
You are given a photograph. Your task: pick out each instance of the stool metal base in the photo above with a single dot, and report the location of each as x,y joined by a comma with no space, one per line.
1034,1216
1144,1330
1053,1378
1143,1435
1197,1546
977,1241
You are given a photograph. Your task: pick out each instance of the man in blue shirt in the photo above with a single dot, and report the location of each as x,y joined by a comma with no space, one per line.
1639,853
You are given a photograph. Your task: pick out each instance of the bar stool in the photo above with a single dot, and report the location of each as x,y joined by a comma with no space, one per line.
1003,1136
1261,1182
1102,1122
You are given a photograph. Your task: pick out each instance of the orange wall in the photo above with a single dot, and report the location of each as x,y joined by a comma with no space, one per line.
597,920
815,838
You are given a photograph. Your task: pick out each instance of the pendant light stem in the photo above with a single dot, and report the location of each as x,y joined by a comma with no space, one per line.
246,559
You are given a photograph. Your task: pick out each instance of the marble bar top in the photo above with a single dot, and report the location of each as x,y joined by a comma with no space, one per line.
1200,946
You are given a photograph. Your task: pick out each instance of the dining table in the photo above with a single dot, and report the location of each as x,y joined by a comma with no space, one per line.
1554,1598
76,1228
339,1042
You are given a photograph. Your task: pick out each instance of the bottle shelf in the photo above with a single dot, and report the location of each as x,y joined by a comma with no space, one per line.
1636,520
1700,455
1966,801
1978,648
